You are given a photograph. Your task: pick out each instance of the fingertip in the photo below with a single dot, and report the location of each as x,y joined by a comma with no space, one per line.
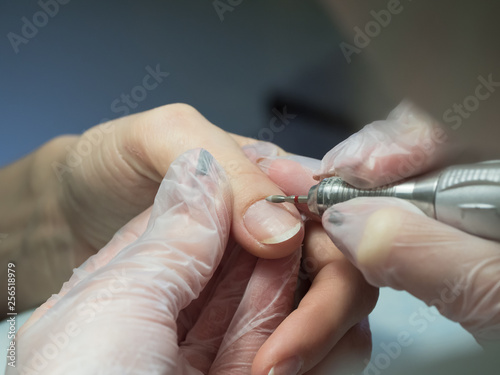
271,230
293,174
364,228
264,229
408,143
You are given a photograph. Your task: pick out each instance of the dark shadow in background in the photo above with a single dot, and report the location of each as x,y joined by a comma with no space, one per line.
261,55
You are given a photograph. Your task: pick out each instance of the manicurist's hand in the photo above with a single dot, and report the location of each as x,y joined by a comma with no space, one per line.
171,293
393,243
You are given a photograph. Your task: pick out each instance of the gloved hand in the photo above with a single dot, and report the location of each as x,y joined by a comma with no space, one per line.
393,243
162,297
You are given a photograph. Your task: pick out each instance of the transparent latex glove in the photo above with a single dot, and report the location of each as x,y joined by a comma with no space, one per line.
393,243
409,142
163,297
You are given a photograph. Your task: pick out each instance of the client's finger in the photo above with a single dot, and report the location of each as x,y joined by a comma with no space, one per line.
338,298
150,141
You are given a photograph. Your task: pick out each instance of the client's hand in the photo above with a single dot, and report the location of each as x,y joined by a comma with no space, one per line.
82,189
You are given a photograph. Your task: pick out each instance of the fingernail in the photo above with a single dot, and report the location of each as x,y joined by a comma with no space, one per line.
290,366
309,164
271,223
407,113
335,217
260,149
265,164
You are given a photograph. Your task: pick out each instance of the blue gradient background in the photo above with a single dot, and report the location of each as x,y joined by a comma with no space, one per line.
65,78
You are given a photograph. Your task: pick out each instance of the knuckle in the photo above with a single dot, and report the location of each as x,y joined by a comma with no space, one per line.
171,118
177,112
171,122
180,124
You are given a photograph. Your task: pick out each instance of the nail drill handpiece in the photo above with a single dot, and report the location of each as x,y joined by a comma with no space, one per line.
464,196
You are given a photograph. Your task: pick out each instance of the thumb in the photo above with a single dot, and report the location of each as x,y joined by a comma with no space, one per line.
396,245
408,143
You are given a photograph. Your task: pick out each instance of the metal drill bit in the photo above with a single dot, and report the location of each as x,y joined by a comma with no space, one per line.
464,196
290,199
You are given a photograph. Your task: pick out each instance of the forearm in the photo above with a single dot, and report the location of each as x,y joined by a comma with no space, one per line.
34,235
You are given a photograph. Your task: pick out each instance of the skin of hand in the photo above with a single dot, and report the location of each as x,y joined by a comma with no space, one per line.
329,330
394,244
67,199
171,293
